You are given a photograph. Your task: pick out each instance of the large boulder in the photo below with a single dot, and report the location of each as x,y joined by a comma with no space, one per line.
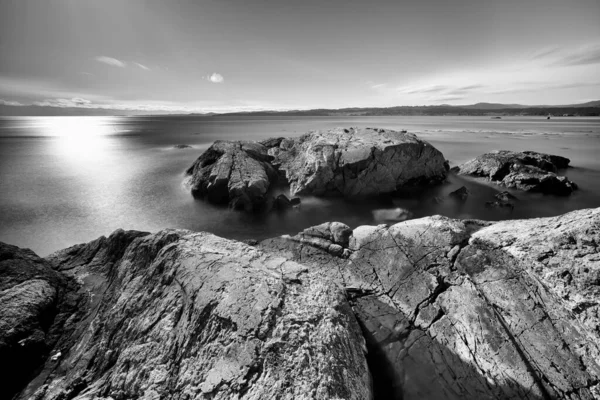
528,171
467,309
234,173
356,162
183,315
349,162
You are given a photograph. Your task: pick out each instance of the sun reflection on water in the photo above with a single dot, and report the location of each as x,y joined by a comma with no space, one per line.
79,138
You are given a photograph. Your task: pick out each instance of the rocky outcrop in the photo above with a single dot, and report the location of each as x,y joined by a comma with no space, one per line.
234,173
357,162
528,171
428,308
182,315
470,310
349,162
38,310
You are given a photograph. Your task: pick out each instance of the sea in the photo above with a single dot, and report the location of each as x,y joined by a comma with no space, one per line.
68,180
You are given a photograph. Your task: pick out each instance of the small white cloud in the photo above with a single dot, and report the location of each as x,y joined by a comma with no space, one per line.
111,61
142,66
216,78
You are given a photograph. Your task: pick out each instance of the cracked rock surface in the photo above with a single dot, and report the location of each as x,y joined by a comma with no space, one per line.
182,315
430,308
350,162
471,310
357,162
527,170
234,173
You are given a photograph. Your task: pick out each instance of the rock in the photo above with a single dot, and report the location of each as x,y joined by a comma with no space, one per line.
528,171
468,310
35,305
397,214
295,201
430,308
234,173
505,196
182,146
182,315
356,162
461,193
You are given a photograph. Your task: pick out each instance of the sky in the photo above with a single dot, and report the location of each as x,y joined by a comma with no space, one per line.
241,55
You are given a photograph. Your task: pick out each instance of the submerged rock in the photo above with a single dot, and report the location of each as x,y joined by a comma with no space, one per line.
528,171
396,214
505,196
182,146
461,193
355,162
430,308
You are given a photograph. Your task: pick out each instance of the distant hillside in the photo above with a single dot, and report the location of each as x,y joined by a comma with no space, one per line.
591,108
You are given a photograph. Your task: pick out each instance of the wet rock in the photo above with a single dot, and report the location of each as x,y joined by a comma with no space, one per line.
282,202
356,162
528,171
234,173
505,196
461,194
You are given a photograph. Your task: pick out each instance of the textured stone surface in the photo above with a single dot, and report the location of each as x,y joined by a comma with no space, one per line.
528,171
182,315
357,162
234,173
430,308
35,305
349,162
471,310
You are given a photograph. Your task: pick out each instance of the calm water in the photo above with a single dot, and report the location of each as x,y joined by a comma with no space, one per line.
67,180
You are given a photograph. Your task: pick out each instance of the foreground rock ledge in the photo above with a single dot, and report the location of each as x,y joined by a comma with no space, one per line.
447,309
350,162
528,171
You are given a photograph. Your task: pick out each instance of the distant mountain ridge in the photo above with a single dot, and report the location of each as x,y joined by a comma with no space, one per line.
591,108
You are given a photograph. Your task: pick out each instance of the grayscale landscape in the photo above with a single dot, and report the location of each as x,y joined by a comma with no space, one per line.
299,200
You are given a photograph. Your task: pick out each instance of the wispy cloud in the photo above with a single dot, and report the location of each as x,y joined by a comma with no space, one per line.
142,66
62,103
111,61
465,89
422,89
447,98
10,103
585,55
215,78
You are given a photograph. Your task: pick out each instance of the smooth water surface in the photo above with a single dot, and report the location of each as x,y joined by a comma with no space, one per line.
67,180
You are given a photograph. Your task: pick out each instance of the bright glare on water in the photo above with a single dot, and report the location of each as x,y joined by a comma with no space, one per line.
67,180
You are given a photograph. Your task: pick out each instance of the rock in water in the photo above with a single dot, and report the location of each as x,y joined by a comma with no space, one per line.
234,173
462,193
528,171
357,162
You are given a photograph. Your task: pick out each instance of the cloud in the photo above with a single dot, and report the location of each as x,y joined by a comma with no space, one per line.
447,98
62,103
10,103
464,89
215,78
422,89
142,66
587,55
111,61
